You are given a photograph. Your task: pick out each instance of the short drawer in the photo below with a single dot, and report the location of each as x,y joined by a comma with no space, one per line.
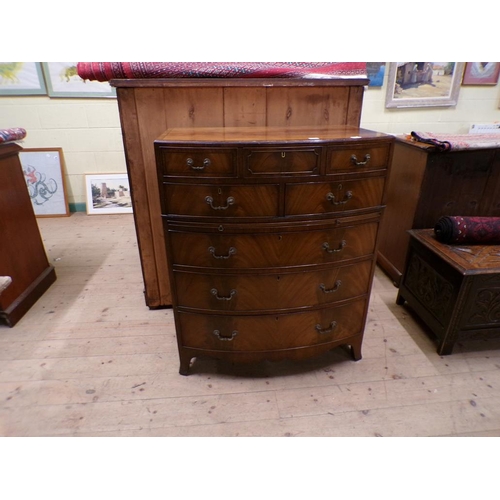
246,292
271,332
357,159
321,198
220,201
276,249
194,162
282,161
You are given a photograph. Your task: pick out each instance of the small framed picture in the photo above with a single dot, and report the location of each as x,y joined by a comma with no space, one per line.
423,84
108,194
44,173
63,81
21,78
481,73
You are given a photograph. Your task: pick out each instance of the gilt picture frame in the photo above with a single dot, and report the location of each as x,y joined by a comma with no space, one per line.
44,171
481,73
63,81
21,78
108,194
423,84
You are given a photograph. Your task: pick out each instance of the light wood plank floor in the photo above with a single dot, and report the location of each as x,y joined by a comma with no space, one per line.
90,359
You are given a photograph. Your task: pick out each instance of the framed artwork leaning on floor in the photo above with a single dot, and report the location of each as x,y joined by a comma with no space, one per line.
108,194
44,173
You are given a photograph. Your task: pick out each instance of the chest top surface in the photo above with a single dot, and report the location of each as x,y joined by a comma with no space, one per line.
263,135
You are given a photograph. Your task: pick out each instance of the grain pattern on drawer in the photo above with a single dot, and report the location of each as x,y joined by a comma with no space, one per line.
260,250
197,162
268,292
221,201
323,198
357,159
271,332
283,161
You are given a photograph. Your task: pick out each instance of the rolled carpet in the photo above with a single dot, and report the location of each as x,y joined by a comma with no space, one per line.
468,230
12,134
104,71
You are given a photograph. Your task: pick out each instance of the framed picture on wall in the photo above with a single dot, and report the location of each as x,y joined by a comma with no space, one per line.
44,173
423,84
63,81
481,73
375,72
21,78
108,194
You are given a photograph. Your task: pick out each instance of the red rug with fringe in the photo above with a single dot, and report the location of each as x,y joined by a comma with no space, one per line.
105,71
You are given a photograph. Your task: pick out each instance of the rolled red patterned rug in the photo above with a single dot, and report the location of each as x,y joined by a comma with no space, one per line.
468,230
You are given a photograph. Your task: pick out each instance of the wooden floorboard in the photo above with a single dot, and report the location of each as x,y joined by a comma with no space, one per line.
91,359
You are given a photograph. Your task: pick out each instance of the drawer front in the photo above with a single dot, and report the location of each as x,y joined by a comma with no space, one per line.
272,332
282,161
355,159
260,250
220,201
244,292
331,197
197,162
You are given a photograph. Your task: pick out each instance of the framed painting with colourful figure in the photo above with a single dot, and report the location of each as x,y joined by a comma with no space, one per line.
423,84
44,173
21,78
375,72
63,81
481,73
108,194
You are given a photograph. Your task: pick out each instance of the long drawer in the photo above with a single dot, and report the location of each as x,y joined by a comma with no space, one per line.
221,201
247,292
271,332
331,197
260,250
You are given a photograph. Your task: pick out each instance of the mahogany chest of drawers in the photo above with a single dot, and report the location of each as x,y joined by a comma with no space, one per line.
271,237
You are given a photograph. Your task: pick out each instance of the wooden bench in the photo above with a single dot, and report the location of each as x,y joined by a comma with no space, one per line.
454,289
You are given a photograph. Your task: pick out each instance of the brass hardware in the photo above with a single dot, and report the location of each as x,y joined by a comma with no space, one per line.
190,164
221,228
220,337
283,154
215,293
331,197
231,251
330,329
326,247
330,290
358,163
209,200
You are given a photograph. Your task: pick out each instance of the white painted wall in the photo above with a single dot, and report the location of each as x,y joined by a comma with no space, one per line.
88,130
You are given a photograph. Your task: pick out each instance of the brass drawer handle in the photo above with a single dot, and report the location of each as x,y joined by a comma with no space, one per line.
330,290
358,163
331,197
330,329
210,201
326,247
190,164
215,293
231,251
220,337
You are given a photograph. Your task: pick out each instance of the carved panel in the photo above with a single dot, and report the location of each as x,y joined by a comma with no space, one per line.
485,308
431,289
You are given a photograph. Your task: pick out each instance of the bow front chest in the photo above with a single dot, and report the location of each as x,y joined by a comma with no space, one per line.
271,237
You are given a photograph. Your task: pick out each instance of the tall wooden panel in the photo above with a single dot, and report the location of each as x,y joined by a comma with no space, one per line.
149,107
22,254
